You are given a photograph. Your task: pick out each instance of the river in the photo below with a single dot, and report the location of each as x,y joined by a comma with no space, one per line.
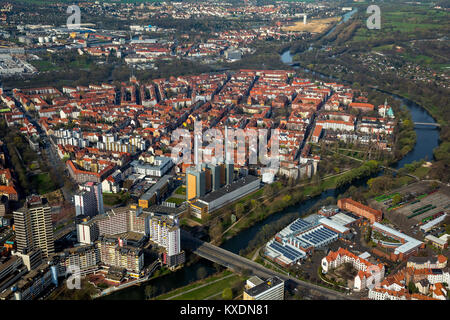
427,140
345,18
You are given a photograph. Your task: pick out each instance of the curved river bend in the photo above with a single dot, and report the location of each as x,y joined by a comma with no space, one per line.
427,140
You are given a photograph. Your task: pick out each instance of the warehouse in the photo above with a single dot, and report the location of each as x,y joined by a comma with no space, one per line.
283,253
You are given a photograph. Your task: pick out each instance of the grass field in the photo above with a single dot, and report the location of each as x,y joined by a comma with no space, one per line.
112,199
214,285
404,19
43,65
181,191
317,26
177,201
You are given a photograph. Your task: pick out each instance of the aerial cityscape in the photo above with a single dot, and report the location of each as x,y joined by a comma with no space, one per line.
225,150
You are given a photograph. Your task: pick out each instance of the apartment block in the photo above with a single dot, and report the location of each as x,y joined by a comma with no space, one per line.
33,226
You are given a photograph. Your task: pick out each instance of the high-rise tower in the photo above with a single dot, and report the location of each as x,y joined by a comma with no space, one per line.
33,226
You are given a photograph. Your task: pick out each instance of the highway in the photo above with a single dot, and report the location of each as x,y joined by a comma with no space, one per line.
236,262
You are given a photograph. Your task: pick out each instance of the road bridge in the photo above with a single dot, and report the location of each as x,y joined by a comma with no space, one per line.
427,124
238,263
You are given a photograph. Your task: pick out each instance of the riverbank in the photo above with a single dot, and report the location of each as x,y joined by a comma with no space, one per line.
427,139
284,198
203,289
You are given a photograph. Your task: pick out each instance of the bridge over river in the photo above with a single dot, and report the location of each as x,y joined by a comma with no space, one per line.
238,263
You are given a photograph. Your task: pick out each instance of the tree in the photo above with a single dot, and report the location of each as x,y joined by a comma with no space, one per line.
268,191
215,230
239,210
412,288
368,234
256,205
150,291
396,199
201,273
227,294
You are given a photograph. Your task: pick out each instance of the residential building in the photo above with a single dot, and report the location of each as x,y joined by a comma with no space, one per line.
115,253
33,226
87,231
89,201
367,271
437,262
86,257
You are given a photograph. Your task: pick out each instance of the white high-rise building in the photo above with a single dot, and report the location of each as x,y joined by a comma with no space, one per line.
166,232
33,226
87,232
89,201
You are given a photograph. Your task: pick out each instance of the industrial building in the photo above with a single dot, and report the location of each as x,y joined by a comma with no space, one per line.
294,242
361,210
433,223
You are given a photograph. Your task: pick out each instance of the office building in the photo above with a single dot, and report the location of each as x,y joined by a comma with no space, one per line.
404,247
207,178
156,192
195,183
225,195
215,176
229,168
33,226
271,289
158,168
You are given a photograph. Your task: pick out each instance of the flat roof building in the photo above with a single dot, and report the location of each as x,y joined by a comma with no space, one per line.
33,226
225,195
406,247
271,289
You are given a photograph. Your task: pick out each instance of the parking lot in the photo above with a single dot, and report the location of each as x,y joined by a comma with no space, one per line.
419,204
431,204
